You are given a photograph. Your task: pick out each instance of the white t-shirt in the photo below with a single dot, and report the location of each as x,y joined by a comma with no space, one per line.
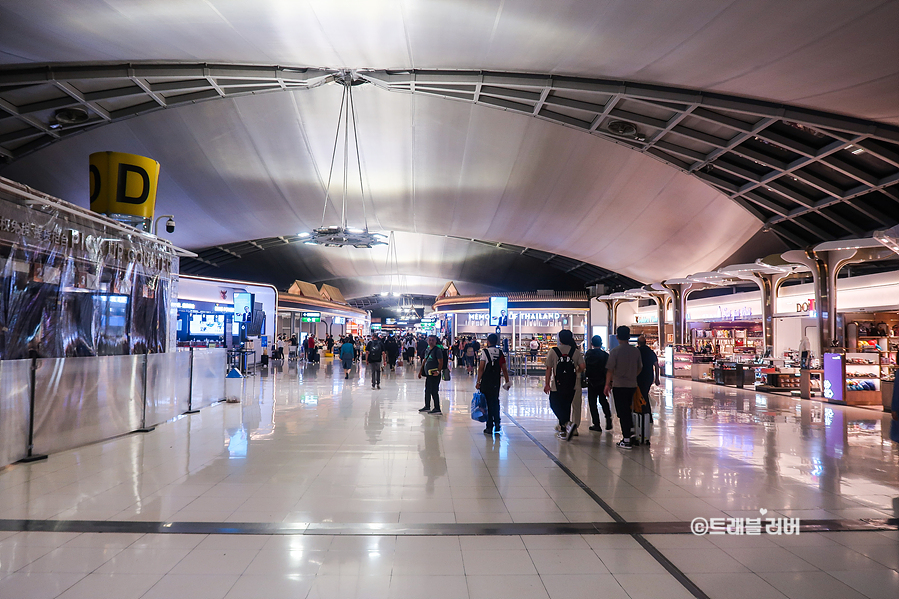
535,344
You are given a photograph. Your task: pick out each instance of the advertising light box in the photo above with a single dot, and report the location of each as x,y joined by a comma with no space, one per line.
499,311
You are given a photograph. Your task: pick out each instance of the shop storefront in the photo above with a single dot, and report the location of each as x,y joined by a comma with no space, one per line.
237,315
308,310
529,316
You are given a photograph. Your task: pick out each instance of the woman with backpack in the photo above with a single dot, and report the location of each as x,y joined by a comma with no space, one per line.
564,365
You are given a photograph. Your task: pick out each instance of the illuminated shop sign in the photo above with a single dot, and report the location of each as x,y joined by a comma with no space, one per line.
524,318
738,312
652,319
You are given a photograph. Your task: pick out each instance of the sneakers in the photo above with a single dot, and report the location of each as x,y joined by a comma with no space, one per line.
488,431
373,386
435,411
562,435
558,427
624,444
608,423
596,427
569,430
379,385
425,409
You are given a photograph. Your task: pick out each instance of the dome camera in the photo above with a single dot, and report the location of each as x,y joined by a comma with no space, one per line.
170,225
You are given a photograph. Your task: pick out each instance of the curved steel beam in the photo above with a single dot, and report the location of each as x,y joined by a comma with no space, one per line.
810,176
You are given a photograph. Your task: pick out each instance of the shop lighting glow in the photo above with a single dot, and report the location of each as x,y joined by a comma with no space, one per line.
303,235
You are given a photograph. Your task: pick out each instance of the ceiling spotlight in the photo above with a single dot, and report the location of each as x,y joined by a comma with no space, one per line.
303,235
383,294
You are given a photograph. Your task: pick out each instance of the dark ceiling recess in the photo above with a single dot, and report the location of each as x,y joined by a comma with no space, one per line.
810,176
525,266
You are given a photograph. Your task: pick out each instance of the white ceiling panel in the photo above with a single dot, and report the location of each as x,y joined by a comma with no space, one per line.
255,167
795,52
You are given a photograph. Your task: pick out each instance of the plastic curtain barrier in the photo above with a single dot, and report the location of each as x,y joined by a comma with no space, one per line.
71,287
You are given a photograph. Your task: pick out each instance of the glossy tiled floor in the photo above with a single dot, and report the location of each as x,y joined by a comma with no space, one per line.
307,446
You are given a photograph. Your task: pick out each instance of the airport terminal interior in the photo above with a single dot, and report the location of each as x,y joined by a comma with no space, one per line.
253,253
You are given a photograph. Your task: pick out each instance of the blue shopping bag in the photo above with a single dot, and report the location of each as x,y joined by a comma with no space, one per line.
479,407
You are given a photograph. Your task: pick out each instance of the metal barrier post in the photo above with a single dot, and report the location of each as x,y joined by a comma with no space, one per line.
143,416
31,457
190,385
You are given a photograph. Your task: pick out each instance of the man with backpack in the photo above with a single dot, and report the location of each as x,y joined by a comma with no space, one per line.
564,364
493,364
375,350
622,369
432,368
596,360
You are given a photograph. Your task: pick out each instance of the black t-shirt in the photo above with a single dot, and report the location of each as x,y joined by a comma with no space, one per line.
649,358
596,360
431,359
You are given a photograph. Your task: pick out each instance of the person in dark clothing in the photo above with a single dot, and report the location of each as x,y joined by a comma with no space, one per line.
375,351
651,370
596,359
392,348
421,347
648,375
493,365
431,369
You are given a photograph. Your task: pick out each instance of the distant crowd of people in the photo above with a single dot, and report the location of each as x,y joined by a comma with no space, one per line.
625,374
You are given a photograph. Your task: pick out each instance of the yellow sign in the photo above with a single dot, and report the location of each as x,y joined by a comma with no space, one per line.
123,184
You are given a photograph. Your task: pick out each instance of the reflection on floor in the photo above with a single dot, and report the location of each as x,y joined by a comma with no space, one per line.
308,446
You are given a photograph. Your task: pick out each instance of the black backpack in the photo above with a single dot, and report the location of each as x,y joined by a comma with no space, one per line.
566,373
492,371
596,360
374,354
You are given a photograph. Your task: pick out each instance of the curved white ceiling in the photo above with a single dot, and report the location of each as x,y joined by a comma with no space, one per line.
836,55
251,167
255,166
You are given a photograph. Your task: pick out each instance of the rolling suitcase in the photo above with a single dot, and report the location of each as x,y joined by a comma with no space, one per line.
642,428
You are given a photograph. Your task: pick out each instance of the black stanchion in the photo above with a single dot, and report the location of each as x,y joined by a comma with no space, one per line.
190,386
143,416
32,457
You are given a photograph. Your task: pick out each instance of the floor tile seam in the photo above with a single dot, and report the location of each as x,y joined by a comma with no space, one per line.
673,570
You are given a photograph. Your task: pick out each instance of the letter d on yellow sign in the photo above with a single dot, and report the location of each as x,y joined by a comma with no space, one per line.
123,186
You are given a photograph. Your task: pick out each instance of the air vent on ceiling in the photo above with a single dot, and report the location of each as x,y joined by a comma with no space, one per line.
71,116
625,129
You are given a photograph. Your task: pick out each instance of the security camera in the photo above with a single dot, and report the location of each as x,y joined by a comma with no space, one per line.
170,225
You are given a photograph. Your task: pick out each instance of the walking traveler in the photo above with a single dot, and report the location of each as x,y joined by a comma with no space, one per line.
392,349
596,359
375,350
534,346
431,369
347,351
621,379
493,365
469,357
564,364
649,374
421,347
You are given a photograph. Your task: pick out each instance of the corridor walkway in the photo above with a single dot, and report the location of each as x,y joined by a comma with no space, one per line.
320,487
